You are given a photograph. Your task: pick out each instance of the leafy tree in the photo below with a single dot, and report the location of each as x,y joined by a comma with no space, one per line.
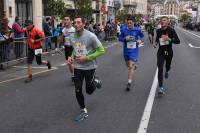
83,8
138,17
185,17
122,16
55,8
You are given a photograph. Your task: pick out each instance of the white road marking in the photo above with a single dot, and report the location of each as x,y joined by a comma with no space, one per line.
192,46
25,76
149,104
190,32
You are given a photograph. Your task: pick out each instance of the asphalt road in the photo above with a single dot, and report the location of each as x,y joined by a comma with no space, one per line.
48,104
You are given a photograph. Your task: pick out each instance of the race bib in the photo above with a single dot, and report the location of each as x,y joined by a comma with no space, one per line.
67,43
38,51
80,50
162,42
131,45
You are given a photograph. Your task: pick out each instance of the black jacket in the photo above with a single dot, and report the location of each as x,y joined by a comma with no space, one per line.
172,35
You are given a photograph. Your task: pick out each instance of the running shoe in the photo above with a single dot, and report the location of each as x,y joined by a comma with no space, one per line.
73,79
28,80
81,116
128,87
49,65
97,82
161,90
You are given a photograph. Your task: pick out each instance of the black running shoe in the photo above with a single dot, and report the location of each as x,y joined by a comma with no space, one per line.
128,87
49,65
135,67
28,80
73,79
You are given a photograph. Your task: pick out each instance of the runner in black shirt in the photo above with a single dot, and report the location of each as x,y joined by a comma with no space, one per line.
164,38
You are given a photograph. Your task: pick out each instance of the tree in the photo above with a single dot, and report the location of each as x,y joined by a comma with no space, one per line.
84,8
122,16
138,17
185,17
55,8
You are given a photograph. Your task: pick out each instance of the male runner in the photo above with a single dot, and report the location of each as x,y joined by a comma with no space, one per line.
34,40
131,37
87,48
66,32
164,38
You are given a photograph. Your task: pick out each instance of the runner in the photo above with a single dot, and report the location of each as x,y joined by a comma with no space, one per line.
131,37
87,48
165,37
34,40
67,30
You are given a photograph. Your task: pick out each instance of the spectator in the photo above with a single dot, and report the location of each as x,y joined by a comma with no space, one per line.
107,30
48,34
97,29
91,25
6,39
57,33
18,33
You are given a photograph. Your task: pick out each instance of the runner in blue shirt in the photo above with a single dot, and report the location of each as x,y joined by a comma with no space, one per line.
131,37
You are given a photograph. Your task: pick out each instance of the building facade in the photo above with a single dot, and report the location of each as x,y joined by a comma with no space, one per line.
135,6
130,6
171,7
100,9
141,7
25,9
157,9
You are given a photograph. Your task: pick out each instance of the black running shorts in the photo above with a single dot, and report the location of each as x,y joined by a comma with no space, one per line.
68,51
31,55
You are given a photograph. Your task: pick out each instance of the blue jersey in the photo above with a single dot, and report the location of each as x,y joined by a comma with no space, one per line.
137,34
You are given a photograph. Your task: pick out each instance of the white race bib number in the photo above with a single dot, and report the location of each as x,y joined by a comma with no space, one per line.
80,50
38,51
67,43
162,42
131,45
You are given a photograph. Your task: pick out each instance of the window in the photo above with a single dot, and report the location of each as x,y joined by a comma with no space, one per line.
24,10
10,11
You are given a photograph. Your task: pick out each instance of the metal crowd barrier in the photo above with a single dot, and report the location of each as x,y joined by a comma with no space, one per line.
17,49
112,35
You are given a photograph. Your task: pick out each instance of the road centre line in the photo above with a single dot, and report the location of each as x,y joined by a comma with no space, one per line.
148,107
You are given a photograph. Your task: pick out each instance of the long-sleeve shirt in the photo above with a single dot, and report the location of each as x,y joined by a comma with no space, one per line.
137,34
171,33
18,31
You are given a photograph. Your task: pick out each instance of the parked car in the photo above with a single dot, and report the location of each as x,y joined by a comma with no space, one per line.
190,25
